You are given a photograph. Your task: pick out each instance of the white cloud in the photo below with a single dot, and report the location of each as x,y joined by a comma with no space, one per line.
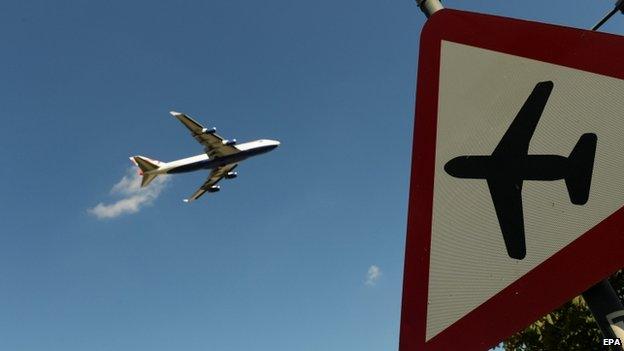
373,274
134,197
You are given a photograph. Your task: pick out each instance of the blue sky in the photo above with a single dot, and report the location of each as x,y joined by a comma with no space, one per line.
278,260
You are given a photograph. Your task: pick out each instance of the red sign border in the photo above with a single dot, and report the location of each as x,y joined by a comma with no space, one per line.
564,275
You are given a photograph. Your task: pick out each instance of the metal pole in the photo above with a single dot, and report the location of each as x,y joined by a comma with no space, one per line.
429,7
605,19
607,309
619,6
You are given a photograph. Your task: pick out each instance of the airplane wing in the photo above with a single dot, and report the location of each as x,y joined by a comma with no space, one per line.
507,198
516,140
214,145
215,176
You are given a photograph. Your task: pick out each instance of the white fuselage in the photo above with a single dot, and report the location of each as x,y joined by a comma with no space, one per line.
202,161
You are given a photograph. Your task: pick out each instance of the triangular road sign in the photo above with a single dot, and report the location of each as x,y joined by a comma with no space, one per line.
517,184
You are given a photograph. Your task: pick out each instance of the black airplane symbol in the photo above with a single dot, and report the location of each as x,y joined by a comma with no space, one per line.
510,165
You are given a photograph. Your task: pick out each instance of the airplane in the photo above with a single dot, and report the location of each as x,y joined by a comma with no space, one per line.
221,156
510,164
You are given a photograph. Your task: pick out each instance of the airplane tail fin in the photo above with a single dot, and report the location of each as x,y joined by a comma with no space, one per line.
581,161
146,166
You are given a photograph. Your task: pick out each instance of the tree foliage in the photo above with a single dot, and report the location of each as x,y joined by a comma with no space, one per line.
570,327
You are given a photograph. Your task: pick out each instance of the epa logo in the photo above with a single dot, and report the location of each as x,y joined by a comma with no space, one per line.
612,342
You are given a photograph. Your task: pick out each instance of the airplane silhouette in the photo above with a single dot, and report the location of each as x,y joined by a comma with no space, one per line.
510,164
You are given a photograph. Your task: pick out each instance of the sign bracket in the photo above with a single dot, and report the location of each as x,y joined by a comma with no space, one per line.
619,6
603,302
429,7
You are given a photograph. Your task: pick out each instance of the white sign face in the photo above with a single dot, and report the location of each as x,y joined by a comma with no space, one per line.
480,94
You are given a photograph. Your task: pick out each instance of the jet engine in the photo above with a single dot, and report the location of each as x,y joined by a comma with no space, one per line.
214,189
231,175
229,142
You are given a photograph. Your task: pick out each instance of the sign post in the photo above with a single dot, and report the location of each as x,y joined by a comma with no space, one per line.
607,310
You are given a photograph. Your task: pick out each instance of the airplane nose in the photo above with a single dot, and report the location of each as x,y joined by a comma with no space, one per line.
452,167
476,167
270,144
